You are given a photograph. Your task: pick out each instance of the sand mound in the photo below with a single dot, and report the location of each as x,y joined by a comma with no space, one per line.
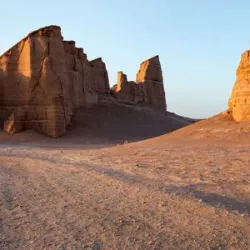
221,128
107,124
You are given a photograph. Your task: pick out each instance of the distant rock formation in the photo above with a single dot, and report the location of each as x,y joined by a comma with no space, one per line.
44,79
148,88
239,103
48,78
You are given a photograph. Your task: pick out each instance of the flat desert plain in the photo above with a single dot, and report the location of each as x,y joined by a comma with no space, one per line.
188,189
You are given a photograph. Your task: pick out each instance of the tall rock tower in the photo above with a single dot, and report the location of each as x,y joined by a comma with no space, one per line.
239,103
148,88
43,79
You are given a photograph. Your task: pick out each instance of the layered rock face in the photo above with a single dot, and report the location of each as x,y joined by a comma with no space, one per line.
239,103
48,78
148,88
44,79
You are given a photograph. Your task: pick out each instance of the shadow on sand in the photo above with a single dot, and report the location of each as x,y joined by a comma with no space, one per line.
102,126
212,199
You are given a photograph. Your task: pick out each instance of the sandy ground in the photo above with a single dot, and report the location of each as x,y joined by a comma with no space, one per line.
189,189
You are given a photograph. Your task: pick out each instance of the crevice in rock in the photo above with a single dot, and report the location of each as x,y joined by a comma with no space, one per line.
48,48
83,74
37,82
20,52
61,85
74,66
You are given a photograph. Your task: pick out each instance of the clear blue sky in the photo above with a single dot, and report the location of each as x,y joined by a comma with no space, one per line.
199,41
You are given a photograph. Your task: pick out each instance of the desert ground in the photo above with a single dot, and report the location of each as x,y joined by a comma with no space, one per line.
139,187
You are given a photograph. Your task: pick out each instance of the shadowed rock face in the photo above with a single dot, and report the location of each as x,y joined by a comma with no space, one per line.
239,103
148,88
48,78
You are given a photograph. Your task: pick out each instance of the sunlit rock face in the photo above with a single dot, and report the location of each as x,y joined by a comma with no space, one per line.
239,103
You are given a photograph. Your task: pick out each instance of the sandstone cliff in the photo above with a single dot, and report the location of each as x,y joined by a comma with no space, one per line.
44,79
239,103
48,78
148,88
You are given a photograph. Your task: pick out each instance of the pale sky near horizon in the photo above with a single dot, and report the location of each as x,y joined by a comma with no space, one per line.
199,42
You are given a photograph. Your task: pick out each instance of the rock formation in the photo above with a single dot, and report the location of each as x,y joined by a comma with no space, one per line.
44,79
239,103
48,78
148,88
